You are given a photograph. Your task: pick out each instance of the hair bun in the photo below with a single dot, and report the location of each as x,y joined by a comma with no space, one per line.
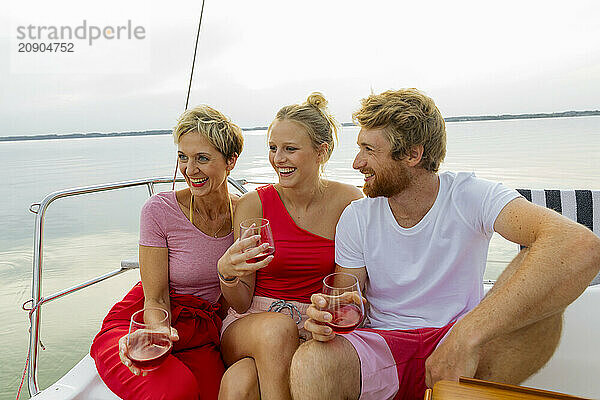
316,99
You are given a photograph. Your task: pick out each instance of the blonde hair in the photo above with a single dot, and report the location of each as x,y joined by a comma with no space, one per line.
409,118
314,116
223,134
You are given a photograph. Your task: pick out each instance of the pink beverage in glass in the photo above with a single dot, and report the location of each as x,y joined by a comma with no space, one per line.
345,303
346,318
270,250
262,227
147,350
149,341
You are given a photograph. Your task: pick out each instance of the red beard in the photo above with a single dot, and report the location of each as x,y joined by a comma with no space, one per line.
388,182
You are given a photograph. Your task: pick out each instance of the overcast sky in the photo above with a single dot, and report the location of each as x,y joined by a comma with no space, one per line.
472,57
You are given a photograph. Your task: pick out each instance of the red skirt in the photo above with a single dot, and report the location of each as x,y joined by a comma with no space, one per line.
194,368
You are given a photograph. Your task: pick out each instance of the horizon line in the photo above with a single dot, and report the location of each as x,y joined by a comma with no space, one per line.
465,118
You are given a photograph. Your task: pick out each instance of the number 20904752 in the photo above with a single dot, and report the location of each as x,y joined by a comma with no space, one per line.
52,47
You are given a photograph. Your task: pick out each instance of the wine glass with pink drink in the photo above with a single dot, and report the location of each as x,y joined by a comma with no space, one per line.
345,302
262,227
149,341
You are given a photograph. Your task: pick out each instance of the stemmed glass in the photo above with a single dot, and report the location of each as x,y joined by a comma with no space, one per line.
344,301
149,341
262,227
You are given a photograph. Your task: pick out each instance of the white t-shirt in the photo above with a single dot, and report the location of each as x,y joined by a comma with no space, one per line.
432,273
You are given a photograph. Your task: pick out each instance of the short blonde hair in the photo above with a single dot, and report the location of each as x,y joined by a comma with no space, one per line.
223,134
314,116
409,118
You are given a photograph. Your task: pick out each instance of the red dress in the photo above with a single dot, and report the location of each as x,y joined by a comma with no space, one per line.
194,368
301,260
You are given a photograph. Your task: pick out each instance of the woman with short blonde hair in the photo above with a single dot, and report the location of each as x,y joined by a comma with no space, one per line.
182,236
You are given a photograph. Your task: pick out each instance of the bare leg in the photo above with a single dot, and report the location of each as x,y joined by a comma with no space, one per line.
325,371
270,339
514,357
240,381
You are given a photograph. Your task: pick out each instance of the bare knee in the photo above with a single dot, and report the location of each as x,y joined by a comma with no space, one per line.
514,357
260,336
276,334
308,355
240,381
325,370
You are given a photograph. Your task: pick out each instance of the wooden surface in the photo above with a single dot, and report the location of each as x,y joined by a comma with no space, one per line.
469,388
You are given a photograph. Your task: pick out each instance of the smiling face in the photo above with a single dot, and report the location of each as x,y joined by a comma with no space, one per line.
384,176
292,154
204,168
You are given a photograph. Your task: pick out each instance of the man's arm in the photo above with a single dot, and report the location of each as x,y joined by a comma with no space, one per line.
563,258
360,273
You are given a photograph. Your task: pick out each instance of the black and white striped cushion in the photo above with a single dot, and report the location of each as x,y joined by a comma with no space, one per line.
582,206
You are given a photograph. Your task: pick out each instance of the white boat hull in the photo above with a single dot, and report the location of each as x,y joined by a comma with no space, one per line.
81,382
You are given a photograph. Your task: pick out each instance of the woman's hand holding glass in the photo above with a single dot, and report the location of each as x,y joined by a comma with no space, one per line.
251,252
148,342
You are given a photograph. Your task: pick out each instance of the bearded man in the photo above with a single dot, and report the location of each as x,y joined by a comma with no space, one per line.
418,246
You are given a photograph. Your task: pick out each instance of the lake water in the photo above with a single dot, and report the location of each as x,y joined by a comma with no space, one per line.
88,235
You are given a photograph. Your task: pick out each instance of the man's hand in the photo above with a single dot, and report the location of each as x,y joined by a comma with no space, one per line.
319,314
316,323
452,359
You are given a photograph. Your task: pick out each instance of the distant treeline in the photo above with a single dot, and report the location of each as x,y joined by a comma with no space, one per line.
523,116
83,135
257,128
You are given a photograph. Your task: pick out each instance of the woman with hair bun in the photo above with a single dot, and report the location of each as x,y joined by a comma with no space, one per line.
269,298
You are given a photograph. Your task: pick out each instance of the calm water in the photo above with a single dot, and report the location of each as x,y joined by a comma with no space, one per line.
89,235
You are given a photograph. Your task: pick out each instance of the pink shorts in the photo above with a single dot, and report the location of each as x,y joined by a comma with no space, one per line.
392,363
296,310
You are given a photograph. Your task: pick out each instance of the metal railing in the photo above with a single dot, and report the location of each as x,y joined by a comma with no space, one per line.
38,250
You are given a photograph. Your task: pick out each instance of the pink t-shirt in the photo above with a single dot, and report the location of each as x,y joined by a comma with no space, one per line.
193,255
